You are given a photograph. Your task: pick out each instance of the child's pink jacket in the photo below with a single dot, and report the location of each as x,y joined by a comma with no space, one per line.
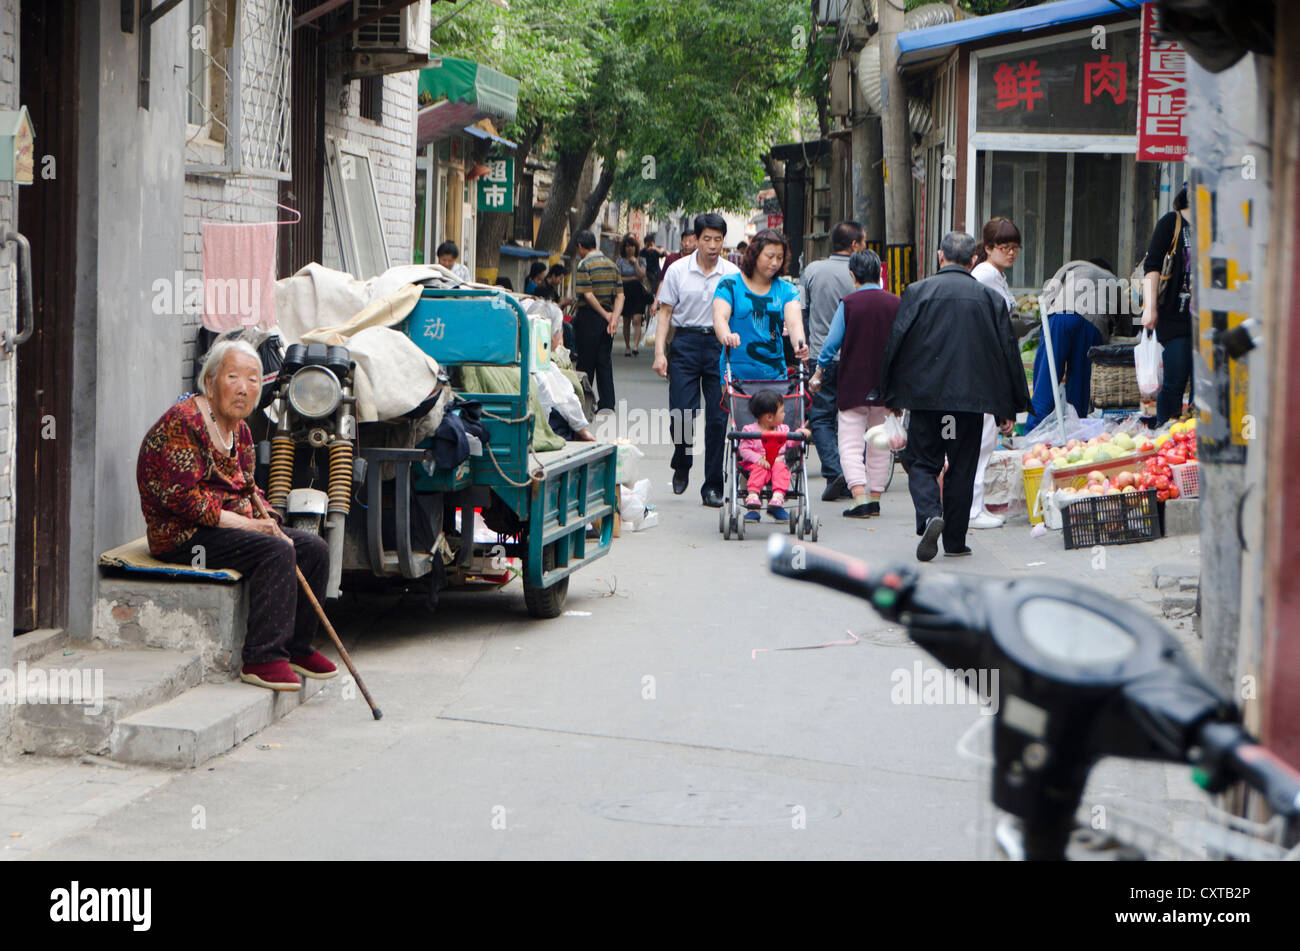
753,451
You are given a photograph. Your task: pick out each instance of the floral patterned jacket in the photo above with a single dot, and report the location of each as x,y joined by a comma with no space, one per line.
185,481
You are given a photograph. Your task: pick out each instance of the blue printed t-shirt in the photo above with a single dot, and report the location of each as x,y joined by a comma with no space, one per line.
759,319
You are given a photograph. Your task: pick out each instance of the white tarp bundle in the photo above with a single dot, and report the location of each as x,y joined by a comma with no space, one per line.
318,302
321,305
393,375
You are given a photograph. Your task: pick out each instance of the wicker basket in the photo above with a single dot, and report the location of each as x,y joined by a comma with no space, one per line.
1114,376
1115,387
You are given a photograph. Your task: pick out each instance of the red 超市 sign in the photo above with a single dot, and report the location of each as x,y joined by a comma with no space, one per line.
1162,96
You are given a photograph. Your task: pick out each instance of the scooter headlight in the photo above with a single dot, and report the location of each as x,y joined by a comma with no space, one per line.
314,392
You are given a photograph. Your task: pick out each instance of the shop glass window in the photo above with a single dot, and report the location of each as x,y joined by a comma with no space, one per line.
1028,188
1095,229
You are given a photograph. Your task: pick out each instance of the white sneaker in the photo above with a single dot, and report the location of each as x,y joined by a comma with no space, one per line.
986,520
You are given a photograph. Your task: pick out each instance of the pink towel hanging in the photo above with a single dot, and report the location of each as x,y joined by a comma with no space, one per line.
238,275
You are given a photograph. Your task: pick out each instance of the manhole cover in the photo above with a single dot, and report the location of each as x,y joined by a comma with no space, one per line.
705,808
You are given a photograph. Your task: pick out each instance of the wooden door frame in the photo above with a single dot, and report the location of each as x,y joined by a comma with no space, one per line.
47,215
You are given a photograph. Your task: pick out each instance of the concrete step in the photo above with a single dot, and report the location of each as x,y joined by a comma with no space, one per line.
68,702
145,612
34,645
202,723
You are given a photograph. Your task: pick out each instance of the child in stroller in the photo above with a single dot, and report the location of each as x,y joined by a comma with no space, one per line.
765,455
769,458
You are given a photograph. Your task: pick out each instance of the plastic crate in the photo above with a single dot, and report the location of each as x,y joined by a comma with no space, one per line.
1112,520
1188,480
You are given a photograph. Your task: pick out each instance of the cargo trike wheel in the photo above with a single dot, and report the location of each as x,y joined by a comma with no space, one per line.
547,602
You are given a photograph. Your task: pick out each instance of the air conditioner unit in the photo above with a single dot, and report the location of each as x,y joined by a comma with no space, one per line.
831,11
406,31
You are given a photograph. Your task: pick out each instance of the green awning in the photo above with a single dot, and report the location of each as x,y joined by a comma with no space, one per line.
460,80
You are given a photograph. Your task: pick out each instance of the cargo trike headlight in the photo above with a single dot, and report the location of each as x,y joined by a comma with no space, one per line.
314,392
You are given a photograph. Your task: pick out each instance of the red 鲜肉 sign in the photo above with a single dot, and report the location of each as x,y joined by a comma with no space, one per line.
1085,85
1162,96
776,222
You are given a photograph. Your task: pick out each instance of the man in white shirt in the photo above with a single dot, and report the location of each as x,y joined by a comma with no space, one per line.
449,257
686,304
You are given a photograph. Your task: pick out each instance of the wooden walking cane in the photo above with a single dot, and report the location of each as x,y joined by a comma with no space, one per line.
320,612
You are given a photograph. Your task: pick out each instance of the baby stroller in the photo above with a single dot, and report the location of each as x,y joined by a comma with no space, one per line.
742,425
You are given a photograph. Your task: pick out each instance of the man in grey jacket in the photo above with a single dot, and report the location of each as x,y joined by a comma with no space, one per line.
826,283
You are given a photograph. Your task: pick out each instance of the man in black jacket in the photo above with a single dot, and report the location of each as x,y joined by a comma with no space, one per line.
950,358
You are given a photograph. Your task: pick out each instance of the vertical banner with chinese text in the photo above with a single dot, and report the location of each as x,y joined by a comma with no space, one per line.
496,189
1162,96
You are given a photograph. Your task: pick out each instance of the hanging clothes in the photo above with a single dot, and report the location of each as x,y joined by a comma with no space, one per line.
238,275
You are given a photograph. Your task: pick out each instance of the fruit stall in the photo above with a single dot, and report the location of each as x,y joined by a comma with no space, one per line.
1111,488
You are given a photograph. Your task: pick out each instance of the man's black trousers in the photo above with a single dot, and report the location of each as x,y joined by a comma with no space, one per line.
932,436
595,354
693,368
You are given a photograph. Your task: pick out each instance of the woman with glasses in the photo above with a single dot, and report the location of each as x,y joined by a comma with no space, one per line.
998,251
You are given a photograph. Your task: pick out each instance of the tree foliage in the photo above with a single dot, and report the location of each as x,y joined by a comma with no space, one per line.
683,98
551,56
719,81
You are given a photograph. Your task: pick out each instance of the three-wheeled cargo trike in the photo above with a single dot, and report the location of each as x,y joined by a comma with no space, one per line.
551,510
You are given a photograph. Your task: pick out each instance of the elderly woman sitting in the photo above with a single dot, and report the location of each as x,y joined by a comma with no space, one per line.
195,474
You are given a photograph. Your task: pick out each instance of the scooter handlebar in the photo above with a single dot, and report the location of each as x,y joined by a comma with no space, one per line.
938,609
1229,749
804,561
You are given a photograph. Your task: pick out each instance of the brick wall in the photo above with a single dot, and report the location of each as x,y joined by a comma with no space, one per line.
8,320
202,195
391,144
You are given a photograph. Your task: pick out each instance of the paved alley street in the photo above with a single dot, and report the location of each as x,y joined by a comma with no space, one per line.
640,724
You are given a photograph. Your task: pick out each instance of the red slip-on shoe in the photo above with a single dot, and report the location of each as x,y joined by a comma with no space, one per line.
276,675
315,665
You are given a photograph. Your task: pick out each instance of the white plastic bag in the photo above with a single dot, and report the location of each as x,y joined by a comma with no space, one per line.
1148,356
1049,430
634,503
895,432
555,392
651,329
626,463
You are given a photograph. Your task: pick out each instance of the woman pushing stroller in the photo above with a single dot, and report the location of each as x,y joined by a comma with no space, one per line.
753,309
753,314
